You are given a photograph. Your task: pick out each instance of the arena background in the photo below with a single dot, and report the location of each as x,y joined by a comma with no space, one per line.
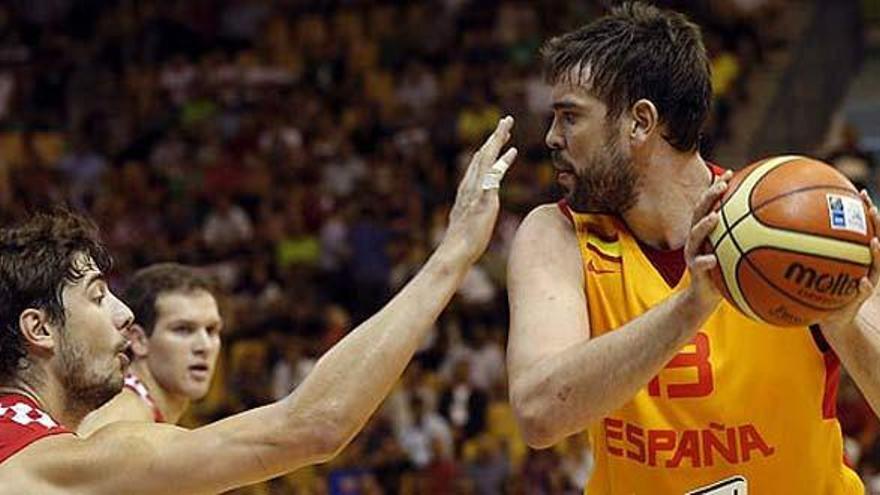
306,153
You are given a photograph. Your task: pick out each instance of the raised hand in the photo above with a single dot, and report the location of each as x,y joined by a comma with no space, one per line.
699,265
472,219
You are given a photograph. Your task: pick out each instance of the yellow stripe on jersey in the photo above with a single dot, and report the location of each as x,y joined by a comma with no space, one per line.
608,248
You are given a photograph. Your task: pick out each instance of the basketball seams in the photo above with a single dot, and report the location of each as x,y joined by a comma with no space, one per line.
727,228
776,244
760,179
820,244
781,290
804,189
739,292
781,196
742,204
719,265
783,229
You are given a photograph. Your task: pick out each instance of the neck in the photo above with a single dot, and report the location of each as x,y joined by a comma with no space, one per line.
671,186
49,396
172,406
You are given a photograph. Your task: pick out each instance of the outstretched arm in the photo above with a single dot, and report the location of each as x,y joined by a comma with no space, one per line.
313,423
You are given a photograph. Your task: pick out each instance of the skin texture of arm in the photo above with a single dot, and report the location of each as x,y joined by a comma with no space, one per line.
312,424
126,406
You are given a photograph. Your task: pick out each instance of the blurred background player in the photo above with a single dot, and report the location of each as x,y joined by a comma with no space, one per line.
175,341
616,326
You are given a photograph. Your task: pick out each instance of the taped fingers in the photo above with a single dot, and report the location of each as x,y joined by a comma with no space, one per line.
492,178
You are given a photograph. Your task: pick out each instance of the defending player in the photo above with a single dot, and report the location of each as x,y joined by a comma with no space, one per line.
615,324
175,341
63,355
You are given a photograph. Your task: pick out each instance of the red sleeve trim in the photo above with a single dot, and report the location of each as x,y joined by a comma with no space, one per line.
832,381
715,169
133,383
563,207
832,373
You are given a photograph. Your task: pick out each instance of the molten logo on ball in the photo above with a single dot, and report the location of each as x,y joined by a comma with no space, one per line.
826,283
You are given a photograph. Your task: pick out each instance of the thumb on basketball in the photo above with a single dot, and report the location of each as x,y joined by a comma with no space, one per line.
709,199
698,235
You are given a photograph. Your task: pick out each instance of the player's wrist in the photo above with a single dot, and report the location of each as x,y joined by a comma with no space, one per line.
457,247
696,304
452,257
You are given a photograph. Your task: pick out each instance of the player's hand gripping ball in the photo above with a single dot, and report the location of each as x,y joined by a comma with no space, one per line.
792,242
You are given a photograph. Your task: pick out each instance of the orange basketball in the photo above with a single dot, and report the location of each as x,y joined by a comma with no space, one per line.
793,241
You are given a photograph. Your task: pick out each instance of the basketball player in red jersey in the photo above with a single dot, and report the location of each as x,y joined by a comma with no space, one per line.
616,327
175,341
62,354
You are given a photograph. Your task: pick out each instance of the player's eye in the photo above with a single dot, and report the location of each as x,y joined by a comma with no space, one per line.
99,296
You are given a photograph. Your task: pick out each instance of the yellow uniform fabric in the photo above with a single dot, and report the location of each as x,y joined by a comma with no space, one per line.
746,408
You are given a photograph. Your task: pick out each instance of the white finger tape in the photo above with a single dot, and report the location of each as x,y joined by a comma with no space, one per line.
492,179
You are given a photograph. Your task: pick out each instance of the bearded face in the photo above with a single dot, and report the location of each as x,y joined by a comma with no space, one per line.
89,379
603,181
91,351
593,165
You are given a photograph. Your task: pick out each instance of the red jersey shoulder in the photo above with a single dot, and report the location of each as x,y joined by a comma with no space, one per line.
22,423
716,169
133,383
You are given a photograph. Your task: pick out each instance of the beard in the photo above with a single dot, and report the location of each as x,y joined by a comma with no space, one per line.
85,386
608,183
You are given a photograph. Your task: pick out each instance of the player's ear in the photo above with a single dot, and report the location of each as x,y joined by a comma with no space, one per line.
140,343
645,120
37,330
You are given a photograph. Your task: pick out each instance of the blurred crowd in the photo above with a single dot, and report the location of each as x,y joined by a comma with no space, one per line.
306,152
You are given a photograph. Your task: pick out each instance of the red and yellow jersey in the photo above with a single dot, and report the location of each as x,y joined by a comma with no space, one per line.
745,408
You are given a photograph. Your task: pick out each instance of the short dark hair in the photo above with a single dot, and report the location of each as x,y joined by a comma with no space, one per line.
640,51
38,258
149,283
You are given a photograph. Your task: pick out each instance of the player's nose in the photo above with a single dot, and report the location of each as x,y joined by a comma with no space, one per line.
202,342
122,316
553,139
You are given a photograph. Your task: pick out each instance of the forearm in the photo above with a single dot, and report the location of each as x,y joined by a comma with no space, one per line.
565,393
346,386
858,347
352,379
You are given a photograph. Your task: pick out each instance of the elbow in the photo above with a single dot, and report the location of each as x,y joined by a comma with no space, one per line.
321,437
539,429
330,440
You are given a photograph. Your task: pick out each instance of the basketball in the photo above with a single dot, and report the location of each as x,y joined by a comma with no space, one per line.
792,241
